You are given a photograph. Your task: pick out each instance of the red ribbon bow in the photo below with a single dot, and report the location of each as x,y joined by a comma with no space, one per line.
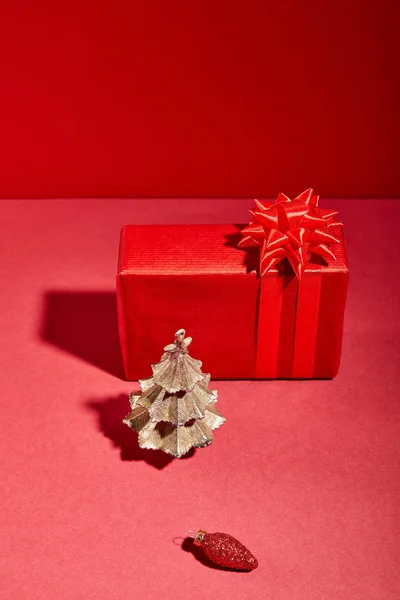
292,229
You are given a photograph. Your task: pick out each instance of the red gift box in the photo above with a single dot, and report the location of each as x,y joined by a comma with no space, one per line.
243,326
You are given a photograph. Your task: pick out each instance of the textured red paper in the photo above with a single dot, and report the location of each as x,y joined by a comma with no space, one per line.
243,326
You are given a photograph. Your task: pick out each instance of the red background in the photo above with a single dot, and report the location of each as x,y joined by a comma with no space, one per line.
304,473
198,98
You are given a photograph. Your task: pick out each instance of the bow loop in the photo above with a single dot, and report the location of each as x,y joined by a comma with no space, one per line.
298,237
276,239
293,229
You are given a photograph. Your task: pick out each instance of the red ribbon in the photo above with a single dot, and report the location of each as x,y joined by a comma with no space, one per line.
293,229
289,307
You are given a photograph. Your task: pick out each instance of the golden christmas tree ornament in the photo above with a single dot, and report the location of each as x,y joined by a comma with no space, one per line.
175,411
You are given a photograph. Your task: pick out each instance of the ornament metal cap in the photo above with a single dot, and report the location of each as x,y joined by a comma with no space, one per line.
199,537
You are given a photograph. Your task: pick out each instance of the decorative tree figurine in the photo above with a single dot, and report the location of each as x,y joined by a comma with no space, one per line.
175,410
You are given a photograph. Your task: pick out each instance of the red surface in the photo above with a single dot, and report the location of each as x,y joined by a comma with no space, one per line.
305,474
197,278
227,98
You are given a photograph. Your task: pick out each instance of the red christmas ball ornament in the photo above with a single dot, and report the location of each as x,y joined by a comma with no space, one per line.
226,551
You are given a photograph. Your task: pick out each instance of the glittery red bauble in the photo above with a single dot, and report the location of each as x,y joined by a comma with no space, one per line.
226,551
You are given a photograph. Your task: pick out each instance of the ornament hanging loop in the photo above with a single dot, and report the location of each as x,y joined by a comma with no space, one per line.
180,336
